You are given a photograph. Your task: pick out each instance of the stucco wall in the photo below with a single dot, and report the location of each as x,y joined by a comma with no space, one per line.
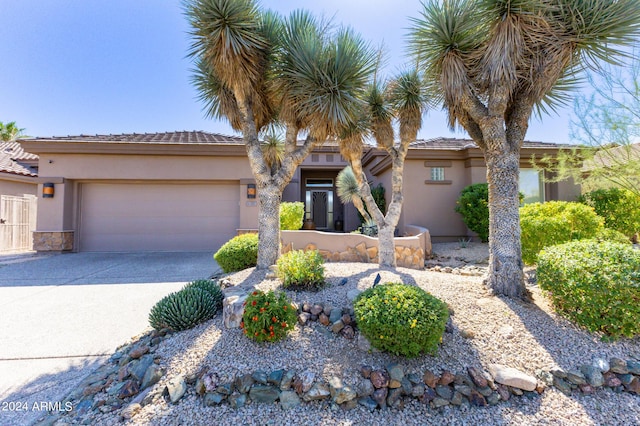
17,188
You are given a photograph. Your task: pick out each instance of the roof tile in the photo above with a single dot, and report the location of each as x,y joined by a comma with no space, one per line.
193,137
13,159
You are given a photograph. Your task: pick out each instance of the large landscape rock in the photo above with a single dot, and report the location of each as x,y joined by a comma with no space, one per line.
512,377
232,310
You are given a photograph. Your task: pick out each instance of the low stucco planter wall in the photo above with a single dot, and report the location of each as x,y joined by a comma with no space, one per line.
411,250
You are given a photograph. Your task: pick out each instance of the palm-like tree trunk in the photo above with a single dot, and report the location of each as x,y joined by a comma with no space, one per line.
269,198
505,259
386,223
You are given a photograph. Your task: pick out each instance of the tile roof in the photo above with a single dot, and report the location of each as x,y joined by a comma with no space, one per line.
13,159
455,144
193,137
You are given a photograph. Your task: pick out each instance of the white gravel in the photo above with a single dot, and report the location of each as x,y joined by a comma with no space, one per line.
518,335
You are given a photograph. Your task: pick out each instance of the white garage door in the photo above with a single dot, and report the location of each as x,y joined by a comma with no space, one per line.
157,217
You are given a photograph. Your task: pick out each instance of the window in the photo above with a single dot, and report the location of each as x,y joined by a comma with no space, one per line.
437,173
532,186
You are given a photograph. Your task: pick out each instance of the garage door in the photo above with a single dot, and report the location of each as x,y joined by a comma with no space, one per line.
157,217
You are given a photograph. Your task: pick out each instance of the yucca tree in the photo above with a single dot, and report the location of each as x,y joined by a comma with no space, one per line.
348,190
495,61
255,68
402,100
9,131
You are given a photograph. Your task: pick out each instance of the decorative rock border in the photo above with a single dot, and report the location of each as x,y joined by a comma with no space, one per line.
408,257
126,383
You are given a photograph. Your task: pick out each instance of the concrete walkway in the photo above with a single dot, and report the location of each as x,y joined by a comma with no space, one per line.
61,316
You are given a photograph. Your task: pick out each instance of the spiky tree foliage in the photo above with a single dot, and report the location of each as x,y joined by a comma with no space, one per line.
402,100
349,191
254,68
495,62
9,131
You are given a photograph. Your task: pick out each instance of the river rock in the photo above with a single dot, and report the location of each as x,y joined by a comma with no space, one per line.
618,365
317,392
176,388
212,399
379,379
289,399
512,377
303,382
430,379
446,378
380,397
152,376
287,380
237,400
593,374
264,394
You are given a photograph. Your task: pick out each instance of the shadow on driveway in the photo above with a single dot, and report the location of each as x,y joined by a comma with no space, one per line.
62,315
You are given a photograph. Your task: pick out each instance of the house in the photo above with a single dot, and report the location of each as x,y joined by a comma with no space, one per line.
18,187
195,190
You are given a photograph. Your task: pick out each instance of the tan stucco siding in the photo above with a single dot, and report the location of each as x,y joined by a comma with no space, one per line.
17,188
144,167
431,205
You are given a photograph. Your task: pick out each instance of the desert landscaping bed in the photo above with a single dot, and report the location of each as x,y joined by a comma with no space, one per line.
484,330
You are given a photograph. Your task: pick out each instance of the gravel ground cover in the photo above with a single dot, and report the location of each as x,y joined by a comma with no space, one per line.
524,336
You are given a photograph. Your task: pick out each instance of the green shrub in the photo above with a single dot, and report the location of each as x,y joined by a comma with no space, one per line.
606,235
597,285
301,270
555,222
211,287
620,209
401,319
268,317
183,309
291,215
238,253
473,205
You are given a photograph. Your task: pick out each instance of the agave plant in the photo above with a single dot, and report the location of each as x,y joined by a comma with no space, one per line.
210,286
183,309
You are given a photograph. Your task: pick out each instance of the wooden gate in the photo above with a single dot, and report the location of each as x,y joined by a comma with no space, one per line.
17,222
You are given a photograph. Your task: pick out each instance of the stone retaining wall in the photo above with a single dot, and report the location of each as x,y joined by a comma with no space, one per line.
53,241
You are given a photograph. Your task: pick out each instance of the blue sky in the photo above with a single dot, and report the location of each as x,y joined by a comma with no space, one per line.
75,67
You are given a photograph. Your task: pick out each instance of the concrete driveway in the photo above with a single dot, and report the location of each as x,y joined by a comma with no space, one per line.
61,316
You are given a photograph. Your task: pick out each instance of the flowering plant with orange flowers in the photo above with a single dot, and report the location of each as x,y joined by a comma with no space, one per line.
268,317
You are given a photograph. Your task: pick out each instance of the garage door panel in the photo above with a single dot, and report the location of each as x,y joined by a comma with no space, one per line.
150,217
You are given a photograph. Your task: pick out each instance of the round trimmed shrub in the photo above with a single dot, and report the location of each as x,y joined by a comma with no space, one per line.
401,319
473,205
596,285
210,286
291,215
620,209
268,317
555,222
611,236
240,252
301,270
183,309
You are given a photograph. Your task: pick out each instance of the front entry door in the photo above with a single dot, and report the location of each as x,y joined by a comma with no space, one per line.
321,207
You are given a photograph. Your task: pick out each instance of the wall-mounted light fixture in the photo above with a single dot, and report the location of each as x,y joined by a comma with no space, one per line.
251,190
48,190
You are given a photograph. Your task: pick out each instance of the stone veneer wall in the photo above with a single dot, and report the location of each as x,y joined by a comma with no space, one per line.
53,240
411,251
